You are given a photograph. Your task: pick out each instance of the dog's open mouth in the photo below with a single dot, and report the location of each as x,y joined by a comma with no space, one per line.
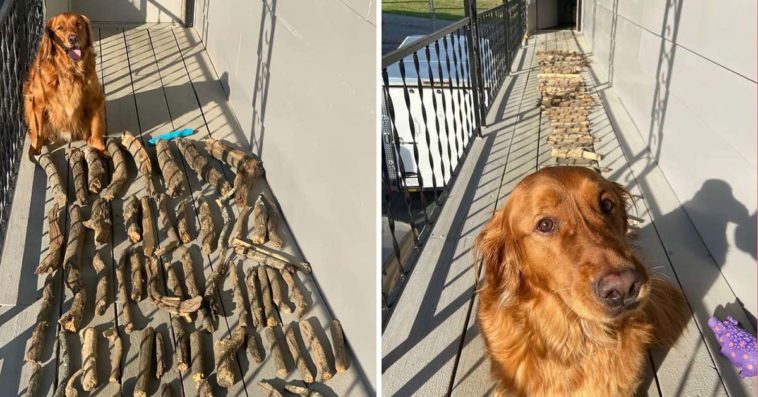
75,53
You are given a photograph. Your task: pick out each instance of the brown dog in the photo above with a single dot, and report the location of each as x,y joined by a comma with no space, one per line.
566,309
63,100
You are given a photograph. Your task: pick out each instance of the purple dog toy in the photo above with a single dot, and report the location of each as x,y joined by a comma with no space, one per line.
736,344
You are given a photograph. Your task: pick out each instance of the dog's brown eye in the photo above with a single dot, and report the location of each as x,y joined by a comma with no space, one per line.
59,28
606,205
545,225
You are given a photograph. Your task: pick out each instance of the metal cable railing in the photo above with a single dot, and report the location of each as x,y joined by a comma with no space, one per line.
20,29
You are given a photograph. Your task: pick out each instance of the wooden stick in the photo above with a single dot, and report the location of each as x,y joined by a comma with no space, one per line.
260,222
100,221
182,345
52,259
141,159
240,223
75,241
253,349
173,176
120,172
175,306
239,298
89,359
204,388
53,179
123,297
101,293
274,221
301,391
160,361
268,389
265,258
116,352
171,241
224,351
96,175
297,354
172,280
145,359
76,163
70,388
202,167
277,293
137,264
295,294
43,322
148,227
35,372
226,216
64,368
183,221
193,290
198,358
72,320
338,342
132,209
318,350
253,292
268,303
207,227
214,282
248,168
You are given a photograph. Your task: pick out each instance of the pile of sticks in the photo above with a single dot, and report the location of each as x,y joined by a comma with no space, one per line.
567,102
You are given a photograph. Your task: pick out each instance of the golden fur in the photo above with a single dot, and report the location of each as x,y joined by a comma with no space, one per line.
63,100
546,332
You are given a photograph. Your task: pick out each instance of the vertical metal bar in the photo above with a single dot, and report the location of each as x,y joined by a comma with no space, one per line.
436,115
427,136
473,53
471,99
448,123
390,218
453,37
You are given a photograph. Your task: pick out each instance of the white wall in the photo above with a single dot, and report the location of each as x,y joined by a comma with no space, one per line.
313,121
687,76
130,11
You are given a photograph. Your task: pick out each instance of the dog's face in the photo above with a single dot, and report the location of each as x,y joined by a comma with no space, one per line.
67,34
563,231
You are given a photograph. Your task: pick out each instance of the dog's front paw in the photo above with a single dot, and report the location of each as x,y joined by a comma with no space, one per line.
33,153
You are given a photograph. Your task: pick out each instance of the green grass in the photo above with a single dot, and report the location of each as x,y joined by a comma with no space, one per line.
444,9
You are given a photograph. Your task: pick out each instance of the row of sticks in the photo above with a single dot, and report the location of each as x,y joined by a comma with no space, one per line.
263,286
566,100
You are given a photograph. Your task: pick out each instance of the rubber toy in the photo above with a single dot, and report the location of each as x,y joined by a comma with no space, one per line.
736,344
171,135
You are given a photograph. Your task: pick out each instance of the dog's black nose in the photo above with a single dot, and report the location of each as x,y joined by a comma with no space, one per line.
618,288
72,39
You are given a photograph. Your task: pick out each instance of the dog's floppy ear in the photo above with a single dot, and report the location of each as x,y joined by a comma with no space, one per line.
626,199
500,255
87,27
46,47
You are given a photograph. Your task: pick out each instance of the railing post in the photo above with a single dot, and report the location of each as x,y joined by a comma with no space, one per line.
507,27
475,72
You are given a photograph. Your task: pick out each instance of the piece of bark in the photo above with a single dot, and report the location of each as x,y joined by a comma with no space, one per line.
172,305
213,286
101,292
268,304
206,170
295,294
248,168
100,221
34,376
148,227
166,389
297,355
172,280
74,246
183,221
256,303
132,222
253,349
173,176
240,223
318,350
224,352
274,346
192,289
97,177
171,239
89,359
301,391
53,179
52,259
123,297
260,222
120,172
147,339
268,389
76,163
228,225
198,356
64,366
239,298
275,239
137,266
43,322
182,345
207,227
160,356
265,258
277,293
116,353
341,363
204,388
141,159
70,388
72,320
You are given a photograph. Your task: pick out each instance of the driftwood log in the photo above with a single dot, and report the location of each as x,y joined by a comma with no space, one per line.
160,356
137,266
116,352
275,239
100,221
268,304
172,280
204,388
182,349
277,292
193,291
148,227
341,363
213,285
248,169
43,322
34,375
253,292
64,366
172,305
295,294
260,222
71,320
132,222
206,170
268,389
97,177
198,357
76,163
147,339
238,230
297,355
256,352
318,350
53,179
274,346
183,221
226,220
301,391
120,172
239,298
171,240
173,176
224,352
207,227
89,359
101,291
70,388
141,159
261,255
122,295
52,260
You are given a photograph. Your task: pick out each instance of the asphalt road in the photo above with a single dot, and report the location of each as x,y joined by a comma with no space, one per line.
395,28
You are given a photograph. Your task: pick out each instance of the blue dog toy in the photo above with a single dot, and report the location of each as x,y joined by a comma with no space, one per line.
171,135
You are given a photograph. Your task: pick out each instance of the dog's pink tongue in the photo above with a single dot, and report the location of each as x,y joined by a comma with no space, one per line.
75,54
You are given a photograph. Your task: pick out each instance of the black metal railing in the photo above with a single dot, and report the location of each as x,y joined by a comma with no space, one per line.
21,24
437,90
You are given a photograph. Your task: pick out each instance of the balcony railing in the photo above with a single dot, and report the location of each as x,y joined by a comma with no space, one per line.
437,90
20,29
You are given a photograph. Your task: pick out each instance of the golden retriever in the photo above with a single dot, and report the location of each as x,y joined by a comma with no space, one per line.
63,99
566,309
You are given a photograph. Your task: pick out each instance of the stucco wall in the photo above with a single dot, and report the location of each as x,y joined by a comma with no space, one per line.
131,11
312,119
686,73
